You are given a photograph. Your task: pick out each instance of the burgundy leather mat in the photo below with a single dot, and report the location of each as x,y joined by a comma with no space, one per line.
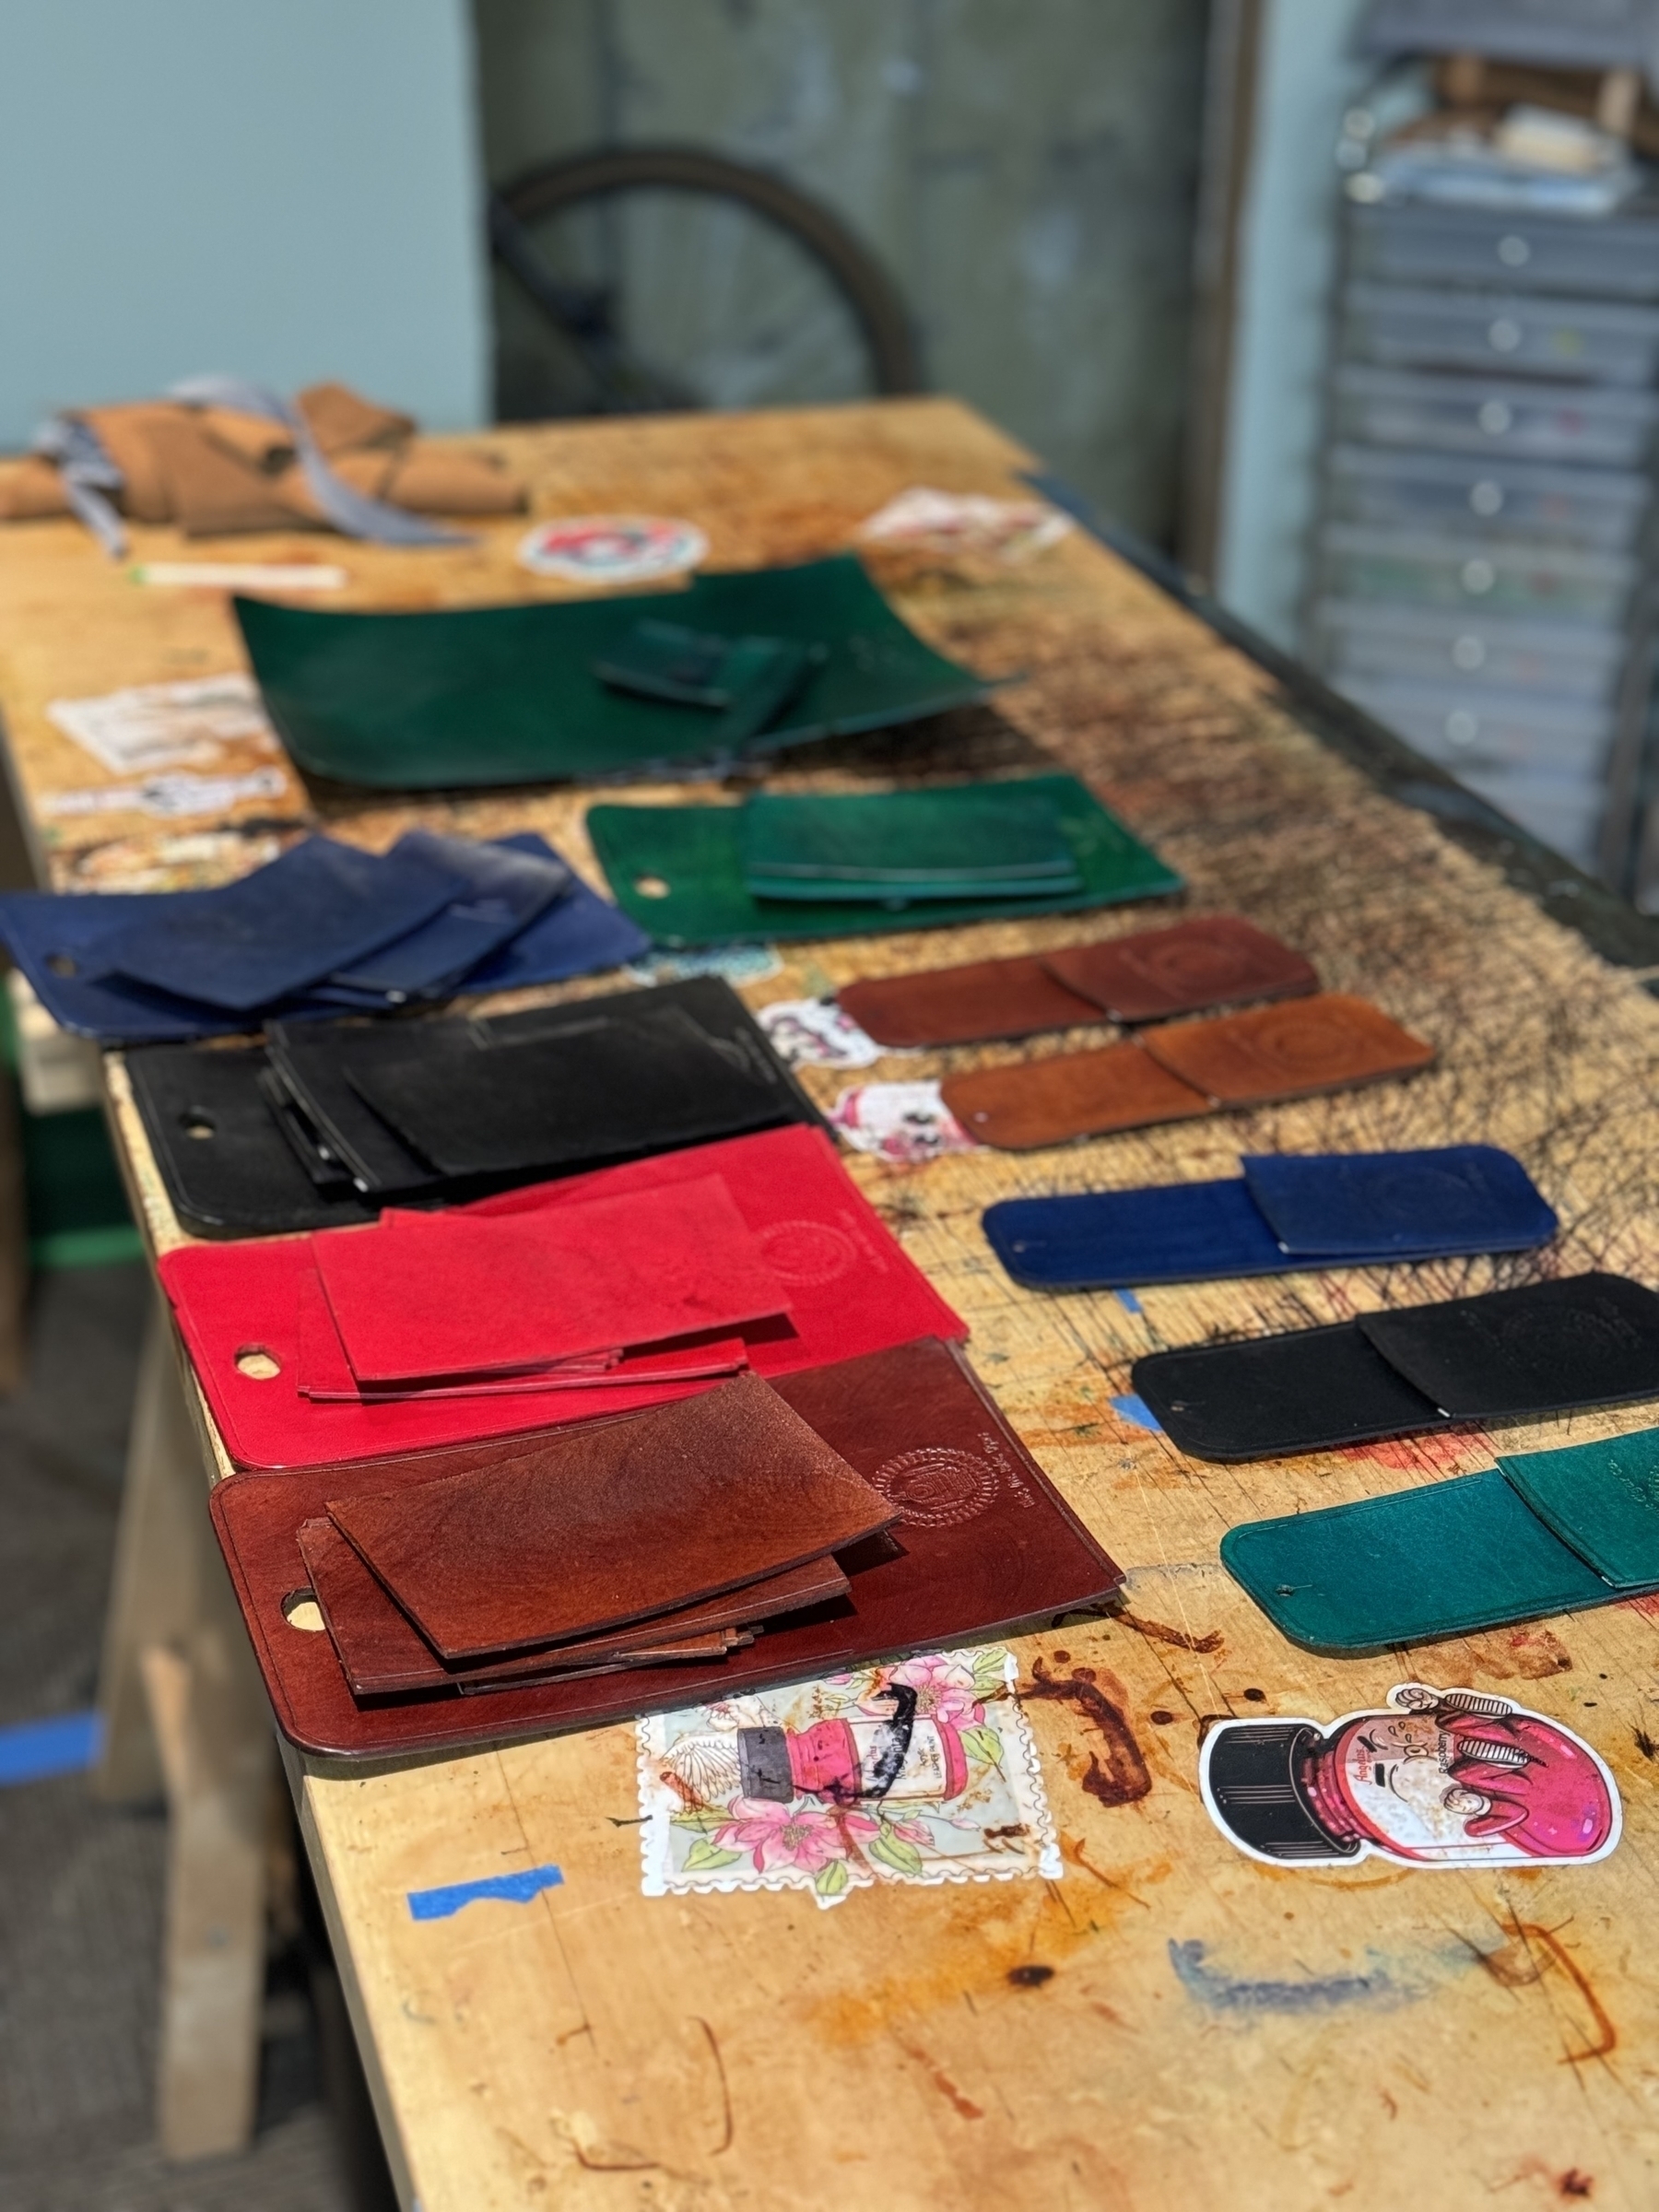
1289,1052
383,1652
851,1290
986,1545
610,1523
1210,961
1069,1095
964,1006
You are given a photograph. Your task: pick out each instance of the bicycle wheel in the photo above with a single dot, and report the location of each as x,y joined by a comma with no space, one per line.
661,276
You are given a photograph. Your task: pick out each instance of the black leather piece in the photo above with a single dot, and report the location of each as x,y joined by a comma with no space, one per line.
602,1080
1315,1390
228,1169
259,1174
1548,1348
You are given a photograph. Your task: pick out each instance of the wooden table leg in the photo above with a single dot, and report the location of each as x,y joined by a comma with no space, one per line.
185,1714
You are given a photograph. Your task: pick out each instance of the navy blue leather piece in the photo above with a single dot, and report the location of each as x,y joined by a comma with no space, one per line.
503,892
1366,1208
319,906
1180,1233
49,934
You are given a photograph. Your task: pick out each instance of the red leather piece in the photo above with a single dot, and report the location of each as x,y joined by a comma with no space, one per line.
448,1296
612,1523
1210,961
384,1654
985,1546
851,1290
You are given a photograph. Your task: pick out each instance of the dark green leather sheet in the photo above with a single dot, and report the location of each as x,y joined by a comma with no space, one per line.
489,695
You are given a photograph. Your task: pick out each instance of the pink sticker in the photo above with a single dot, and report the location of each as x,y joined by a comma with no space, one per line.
905,1122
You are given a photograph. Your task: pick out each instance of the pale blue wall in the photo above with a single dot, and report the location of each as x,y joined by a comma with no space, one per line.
1309,75
282,189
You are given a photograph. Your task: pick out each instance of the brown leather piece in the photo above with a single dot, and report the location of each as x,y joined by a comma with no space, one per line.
434,480
125,434
613,1524
1209,961
985,1546
341,419
964,1006
1072,1095
383,1654
31,491
1288,1052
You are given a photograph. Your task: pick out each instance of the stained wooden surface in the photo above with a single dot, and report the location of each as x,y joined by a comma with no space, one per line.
1213,2032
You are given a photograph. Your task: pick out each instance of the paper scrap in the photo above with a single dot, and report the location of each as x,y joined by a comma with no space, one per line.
814,1032
170,796
166,726
949,521
904,1122
918,1773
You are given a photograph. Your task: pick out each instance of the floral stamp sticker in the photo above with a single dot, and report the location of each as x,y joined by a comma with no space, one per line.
1437,1778
918,1772
613,548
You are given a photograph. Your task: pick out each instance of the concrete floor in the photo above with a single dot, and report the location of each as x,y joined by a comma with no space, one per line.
81,1883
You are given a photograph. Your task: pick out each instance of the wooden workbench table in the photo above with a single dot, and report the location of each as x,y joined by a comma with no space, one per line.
1213,2032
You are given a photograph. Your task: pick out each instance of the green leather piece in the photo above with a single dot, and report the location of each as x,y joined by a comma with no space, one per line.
967,840
1603,1500
474,696
747,682
695,855
1420,1565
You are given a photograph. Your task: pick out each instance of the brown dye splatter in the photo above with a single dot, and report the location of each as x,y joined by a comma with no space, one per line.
1030,1977
1157,1632
1575,2184
1645,1745
964,2107
1124,1777
1516,1965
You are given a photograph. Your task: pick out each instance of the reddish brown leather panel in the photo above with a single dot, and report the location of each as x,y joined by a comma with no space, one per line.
1288,1052
1210,961
962,1006
383,1652
613,1524
985,1546
1072,1095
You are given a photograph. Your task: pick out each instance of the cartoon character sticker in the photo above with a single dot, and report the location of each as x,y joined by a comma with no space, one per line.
901,1123
1439,1777
814,1032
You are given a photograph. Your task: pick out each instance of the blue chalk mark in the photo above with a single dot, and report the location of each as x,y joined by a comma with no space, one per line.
33,1750
1128,1299
516,1889
1323,1993
1132,1408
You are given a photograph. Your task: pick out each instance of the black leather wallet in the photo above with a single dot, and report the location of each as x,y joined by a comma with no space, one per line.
329,1121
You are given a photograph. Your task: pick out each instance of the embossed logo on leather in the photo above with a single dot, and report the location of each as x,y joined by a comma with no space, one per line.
808,1253
937,1486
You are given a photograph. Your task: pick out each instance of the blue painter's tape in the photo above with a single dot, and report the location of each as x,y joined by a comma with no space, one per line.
34,1749
1128,1300
1132,1408
516,1889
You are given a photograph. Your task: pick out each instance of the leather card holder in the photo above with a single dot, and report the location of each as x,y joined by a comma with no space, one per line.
1287,1050
1183,1232
985,1545
1449,1558
613,1525
1207,960
1602,1500
1268,1397
978,1002
1582,1340
746,682
963,839
678,871
1069,1095
1364,1207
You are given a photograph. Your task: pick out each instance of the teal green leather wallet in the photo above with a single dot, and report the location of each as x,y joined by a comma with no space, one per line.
1544,1532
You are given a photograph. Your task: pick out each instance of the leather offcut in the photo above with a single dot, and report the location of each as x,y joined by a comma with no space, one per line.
1208,961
